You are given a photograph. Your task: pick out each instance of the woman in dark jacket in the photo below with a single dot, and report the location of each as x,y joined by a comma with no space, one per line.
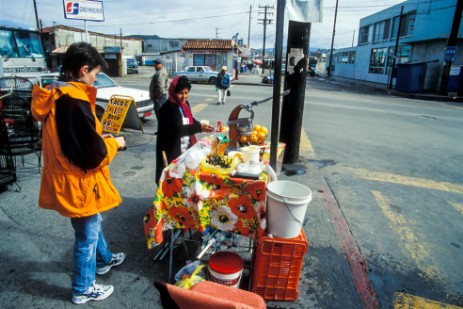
176,127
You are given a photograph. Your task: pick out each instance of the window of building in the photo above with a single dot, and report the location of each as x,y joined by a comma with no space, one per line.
378,60
352,57
403,54
346,57
174,44
202,59
363,34
381,31
407,26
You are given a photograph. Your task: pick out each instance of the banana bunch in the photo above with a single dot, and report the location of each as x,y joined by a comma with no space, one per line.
257,137
220,161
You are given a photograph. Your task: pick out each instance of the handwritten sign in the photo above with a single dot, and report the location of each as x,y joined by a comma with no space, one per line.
115,114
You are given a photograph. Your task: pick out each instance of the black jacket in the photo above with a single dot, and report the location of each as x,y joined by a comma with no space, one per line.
170,131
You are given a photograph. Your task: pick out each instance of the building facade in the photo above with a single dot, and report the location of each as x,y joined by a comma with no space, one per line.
213,53
422,38
113,47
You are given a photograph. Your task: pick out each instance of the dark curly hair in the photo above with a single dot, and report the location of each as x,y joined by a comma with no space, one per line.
78,55
182,83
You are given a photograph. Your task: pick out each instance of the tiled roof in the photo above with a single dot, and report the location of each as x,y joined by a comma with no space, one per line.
208,44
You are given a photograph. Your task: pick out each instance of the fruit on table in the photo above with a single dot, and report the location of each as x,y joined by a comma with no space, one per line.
243,139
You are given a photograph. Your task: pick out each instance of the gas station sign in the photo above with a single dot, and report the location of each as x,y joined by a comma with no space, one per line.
83,10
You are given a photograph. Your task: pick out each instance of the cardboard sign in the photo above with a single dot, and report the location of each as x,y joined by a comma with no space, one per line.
120,111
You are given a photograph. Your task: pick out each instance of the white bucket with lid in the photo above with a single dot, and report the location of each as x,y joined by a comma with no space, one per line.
286,206
226,268
251,153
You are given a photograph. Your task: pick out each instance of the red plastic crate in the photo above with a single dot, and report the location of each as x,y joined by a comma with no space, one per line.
277,265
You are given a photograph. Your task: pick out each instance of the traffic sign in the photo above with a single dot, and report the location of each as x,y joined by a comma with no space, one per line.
450,53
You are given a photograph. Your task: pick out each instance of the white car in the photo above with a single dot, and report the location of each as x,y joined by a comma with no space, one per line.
107,87
199,74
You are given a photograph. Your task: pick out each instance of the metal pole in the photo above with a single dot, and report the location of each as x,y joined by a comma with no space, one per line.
249,27
332,39
39,26
86,31
265,34
277,83
452,41
394,59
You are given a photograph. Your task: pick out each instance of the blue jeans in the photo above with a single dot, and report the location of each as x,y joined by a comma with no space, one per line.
90,250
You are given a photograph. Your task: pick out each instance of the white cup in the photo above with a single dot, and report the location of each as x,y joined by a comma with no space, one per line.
203,121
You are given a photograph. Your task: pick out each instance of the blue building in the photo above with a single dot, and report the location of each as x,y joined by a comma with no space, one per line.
423,36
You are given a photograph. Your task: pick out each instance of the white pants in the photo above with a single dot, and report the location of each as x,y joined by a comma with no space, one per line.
221,95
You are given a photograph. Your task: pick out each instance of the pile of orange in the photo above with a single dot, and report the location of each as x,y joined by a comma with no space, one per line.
257,137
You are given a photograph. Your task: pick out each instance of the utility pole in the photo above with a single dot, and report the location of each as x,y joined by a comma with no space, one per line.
120,34
293,104
217,33
265,22
249,27
39,26
332,40
452,42
277,83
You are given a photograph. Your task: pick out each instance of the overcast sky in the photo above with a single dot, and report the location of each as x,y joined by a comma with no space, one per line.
200,18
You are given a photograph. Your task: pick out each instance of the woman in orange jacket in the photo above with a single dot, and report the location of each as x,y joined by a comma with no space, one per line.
75,176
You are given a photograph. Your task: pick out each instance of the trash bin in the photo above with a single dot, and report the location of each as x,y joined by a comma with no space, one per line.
410,77
455,79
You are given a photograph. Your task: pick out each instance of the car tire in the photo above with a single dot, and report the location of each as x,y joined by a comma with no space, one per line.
212,80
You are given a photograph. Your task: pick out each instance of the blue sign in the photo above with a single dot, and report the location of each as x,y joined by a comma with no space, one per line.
450,53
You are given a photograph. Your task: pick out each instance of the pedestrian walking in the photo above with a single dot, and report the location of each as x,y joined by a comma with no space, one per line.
75,176
222,85
159,86
177,126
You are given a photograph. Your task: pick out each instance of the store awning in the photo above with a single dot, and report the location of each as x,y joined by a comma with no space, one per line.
60,50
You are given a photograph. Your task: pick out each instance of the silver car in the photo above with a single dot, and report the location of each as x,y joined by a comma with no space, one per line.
199,74
107,87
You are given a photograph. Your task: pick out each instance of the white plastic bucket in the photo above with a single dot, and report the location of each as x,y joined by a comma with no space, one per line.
286,206
232,280
226,268
251,153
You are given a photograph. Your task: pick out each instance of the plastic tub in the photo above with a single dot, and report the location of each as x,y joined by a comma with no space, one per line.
226,268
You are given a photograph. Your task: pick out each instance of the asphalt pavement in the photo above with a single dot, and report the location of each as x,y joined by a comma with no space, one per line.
36,246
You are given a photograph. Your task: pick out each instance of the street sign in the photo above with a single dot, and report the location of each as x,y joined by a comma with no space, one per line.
83,10
450,53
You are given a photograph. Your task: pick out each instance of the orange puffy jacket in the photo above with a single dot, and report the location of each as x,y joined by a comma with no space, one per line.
75,175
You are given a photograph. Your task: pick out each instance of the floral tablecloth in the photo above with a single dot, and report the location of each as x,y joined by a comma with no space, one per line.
199,200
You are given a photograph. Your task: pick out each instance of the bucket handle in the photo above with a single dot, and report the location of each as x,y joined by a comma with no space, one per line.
298,221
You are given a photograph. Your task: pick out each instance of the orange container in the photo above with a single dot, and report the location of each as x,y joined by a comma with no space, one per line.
277,265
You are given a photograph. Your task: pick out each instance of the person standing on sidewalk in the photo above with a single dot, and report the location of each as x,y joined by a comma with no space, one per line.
159,86
222,85
75,176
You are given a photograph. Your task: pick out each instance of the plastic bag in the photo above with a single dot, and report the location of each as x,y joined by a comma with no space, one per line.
185,279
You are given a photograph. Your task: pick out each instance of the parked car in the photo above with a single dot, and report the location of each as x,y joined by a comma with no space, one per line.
132,65
199,74
107,87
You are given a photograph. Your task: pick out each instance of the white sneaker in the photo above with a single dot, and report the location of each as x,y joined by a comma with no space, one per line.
116,260
94,292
